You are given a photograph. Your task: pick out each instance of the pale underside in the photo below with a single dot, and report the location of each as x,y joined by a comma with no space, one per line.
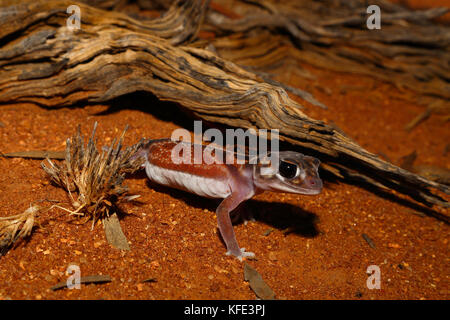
202,186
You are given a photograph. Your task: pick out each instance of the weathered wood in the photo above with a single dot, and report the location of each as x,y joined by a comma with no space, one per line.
408,51
111,55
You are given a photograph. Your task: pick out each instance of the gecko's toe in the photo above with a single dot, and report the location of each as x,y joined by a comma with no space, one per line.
243,254
247,254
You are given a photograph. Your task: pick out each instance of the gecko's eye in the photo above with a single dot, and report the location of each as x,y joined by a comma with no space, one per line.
287,169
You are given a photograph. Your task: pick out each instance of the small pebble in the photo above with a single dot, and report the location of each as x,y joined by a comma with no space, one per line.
98,244
272,256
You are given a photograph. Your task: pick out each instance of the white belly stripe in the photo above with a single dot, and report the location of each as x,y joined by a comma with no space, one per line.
205,187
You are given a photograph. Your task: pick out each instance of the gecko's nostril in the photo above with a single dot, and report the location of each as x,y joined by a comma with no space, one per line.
314,183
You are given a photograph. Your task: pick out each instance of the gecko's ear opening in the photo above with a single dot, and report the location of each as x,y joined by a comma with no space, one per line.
316,162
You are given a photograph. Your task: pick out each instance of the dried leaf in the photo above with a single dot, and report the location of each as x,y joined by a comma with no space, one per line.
114,233
257,284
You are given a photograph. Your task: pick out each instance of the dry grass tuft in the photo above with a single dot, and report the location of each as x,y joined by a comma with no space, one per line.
94,179
16,227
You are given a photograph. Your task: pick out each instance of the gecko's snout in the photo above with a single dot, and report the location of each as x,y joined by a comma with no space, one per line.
313,183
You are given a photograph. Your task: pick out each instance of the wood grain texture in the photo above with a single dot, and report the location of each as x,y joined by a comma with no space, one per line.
409,51
43,62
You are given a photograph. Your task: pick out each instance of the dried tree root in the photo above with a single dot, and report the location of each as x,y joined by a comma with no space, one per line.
112,55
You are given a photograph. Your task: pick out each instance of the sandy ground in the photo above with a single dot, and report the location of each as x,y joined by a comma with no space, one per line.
307,247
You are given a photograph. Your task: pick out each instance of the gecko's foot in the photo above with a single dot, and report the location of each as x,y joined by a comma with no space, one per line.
241,255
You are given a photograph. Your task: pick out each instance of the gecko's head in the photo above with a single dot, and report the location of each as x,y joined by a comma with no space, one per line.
288,171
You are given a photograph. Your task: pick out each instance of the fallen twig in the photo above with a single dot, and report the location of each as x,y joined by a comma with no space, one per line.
35,154
96,279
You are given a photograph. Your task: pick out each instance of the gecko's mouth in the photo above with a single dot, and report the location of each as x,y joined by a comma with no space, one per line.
308,186
311,191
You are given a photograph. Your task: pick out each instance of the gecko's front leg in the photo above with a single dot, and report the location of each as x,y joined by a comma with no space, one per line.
226,227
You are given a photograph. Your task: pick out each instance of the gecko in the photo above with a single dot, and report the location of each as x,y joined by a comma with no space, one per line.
228,180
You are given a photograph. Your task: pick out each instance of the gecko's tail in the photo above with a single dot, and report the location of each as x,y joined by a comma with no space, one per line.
143,149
